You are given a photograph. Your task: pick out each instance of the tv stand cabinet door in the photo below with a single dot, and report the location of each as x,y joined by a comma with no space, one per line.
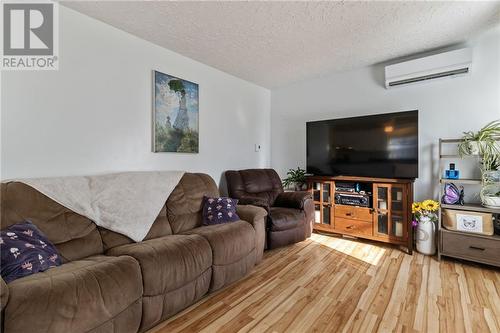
323,196
390,218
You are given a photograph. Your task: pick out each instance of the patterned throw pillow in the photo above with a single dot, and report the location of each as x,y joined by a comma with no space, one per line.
25,250
219,210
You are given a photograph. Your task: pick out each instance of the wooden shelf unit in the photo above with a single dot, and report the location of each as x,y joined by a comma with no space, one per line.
474,207
462,245
388,219
463,181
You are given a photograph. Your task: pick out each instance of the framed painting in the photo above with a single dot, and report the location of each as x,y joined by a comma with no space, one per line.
175,114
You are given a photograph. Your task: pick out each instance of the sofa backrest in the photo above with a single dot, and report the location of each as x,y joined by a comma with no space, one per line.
74,235
185,203
261,183
161,227
181,212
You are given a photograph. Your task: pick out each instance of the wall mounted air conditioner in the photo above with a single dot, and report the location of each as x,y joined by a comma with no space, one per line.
438,66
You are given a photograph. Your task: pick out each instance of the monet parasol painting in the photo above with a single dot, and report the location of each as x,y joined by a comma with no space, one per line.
175,114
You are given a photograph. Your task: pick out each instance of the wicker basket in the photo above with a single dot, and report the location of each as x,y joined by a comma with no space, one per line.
467,221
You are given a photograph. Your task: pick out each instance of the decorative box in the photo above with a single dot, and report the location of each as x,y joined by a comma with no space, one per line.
467,221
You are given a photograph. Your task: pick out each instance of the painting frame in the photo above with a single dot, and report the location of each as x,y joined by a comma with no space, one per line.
182,134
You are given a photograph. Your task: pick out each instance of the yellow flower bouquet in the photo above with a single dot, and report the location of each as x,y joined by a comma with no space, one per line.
424,211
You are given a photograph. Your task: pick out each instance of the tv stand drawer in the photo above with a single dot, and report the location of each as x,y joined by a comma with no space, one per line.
353,227
353,212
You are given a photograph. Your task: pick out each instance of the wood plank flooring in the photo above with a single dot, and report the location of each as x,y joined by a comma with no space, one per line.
330,284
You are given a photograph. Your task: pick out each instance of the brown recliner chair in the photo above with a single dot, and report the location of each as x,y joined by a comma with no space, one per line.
290,214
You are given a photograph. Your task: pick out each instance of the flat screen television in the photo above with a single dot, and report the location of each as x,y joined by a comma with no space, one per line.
382,146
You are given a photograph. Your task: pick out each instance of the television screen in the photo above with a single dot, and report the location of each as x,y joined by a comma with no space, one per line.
382,145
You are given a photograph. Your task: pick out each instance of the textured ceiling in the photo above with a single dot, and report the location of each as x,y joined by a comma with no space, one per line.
276,43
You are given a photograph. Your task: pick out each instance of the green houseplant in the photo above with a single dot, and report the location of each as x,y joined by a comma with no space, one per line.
483,143
490,190
296,179
486,144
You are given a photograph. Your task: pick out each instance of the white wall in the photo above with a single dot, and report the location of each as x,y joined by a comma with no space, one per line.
447,108
94,114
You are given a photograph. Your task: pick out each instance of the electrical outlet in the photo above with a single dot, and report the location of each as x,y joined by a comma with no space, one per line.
257,147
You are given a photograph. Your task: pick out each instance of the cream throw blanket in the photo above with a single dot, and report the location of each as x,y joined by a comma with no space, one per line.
127,202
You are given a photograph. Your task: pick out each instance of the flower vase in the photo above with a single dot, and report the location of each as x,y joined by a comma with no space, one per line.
426,236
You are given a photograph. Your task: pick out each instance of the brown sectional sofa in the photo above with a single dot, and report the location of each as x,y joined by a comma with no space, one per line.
108,283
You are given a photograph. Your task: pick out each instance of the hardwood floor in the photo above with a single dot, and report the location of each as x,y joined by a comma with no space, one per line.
330,284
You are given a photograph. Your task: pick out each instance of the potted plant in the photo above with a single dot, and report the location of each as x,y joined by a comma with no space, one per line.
295,180
490,191
425,218
486,144
483,142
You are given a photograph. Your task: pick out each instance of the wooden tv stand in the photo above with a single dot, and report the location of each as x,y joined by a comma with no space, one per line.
387,219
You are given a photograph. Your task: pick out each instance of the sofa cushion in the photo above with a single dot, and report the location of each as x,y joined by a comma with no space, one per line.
76,297
176,272
186,201
233,247
277,239
156,309
281,219
74,235
169,262
25,250
229,242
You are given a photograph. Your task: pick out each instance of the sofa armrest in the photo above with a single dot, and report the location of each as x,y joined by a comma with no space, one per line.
295,200
254,201
256,216
4,294
309,212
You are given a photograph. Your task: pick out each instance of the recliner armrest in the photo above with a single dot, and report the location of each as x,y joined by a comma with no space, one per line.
292,199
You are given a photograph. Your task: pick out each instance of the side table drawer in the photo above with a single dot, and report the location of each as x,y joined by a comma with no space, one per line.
471,247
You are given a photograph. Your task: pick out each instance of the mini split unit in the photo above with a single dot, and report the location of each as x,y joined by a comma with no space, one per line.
438,66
